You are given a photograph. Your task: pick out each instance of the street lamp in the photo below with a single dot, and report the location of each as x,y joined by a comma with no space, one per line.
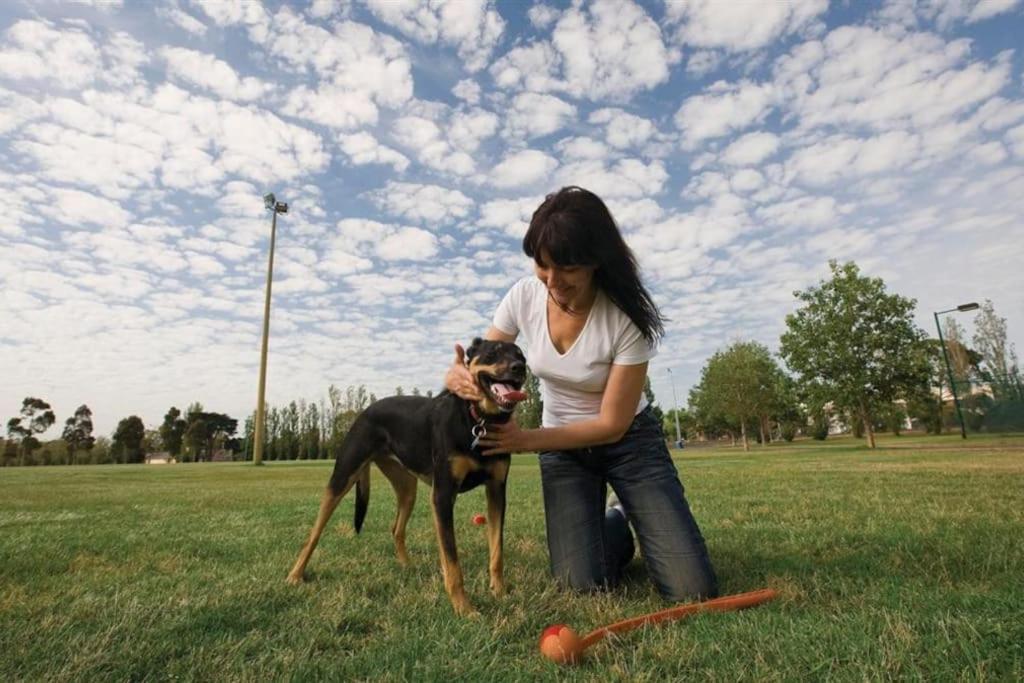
949,369
679,436
275,207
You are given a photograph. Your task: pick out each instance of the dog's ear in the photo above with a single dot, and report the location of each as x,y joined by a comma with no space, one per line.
474,348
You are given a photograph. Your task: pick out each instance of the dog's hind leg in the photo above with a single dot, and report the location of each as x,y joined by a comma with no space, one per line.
404,483
328,503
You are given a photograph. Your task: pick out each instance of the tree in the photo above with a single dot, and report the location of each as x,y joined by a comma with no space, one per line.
858,342
36,418
737,387
172,432
530,412
998,357
656,410
204,430
127,441
78,432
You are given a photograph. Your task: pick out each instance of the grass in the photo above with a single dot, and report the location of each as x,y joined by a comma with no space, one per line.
905,562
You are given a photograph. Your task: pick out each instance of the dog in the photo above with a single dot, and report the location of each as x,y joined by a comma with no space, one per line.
435,440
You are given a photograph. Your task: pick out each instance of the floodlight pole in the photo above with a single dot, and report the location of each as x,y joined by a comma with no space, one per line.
675,402
949,368
275,207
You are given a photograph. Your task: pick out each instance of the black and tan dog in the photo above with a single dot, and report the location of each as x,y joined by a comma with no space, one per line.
433,439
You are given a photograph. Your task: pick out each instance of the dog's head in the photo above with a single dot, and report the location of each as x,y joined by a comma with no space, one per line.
500,370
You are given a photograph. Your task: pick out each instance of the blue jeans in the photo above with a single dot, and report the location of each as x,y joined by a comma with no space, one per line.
589,548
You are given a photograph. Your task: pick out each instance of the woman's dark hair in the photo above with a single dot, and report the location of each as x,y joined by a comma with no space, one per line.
575,228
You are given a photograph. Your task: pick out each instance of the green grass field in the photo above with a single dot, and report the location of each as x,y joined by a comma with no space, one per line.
906,562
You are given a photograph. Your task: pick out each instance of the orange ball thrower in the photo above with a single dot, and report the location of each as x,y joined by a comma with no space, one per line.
562,645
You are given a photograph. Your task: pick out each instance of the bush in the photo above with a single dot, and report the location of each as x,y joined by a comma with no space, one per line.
819,428
788,431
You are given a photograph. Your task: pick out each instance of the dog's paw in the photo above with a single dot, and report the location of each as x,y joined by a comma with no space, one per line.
294,579
498,590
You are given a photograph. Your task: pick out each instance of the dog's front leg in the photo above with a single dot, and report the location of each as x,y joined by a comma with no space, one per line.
443,496
495,489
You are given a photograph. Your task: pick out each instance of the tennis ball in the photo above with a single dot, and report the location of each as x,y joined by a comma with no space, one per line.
560,644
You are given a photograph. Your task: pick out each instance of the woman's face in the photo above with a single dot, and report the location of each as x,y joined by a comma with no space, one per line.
567,285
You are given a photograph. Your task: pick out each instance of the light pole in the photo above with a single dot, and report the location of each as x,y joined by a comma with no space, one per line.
679,435
949,369
275,207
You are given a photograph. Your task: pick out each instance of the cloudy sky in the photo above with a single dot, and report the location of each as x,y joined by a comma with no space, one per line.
740,146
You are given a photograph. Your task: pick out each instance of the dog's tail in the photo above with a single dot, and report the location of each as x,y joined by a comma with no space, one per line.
362,496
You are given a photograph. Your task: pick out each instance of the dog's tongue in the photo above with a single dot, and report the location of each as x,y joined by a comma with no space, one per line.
508,393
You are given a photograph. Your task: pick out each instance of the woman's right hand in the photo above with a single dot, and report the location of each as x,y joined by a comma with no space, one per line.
460,381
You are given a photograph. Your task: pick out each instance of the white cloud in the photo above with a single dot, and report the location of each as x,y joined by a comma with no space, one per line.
582,148
734,27
412,244
509,215
862,77
182,19
353,60
612,49
423,137
622,129
750,149
363,148
944,13
474,28
723,109
210,73
426,203
16,109
532,115
467,90
527,167
74,207
542,16
626,178
36,50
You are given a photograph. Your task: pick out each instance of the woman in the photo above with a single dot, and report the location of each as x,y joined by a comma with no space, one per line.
589,328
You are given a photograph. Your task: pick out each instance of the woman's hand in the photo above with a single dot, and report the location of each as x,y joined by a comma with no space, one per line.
460,381
504,438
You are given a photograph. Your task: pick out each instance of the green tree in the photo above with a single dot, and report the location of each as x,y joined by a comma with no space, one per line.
656,410
737,386
530,412
78,433
127,446
999,363
172,432
858,342
206,431
36,418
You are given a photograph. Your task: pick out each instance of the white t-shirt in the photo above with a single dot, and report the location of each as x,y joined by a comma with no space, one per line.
572,384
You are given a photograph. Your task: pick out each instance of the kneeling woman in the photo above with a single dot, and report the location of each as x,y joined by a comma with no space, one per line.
589,328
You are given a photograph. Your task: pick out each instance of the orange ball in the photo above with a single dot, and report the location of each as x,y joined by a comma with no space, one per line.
479,519
561,645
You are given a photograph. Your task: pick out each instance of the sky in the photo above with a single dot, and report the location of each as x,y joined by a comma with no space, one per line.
740,146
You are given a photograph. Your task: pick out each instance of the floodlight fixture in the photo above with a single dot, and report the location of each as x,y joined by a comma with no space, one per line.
270,201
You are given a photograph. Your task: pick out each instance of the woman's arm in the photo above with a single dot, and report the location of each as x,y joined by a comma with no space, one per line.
459,380
618,408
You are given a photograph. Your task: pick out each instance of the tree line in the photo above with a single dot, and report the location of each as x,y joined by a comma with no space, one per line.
851,356
298,430
855,358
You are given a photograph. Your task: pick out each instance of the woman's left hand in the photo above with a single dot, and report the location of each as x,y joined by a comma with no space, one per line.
504,438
